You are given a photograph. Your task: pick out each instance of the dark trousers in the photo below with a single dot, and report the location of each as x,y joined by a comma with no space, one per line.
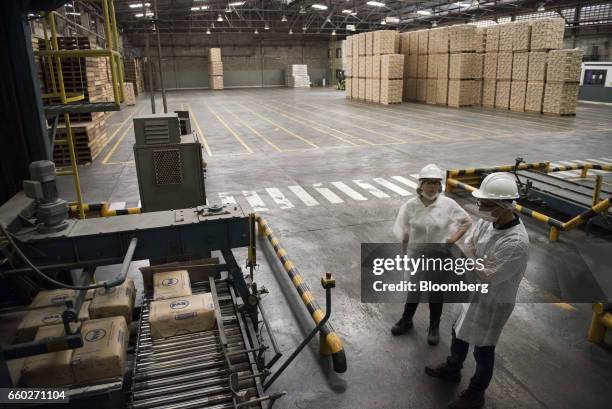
435,311
485,359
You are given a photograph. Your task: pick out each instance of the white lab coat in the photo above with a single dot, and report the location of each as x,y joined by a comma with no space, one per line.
505,252
435,223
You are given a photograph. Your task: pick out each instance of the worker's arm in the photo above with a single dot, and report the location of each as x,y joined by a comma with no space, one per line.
464,226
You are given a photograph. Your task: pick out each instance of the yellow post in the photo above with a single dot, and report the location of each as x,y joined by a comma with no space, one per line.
584,172
108,35
69,137
554,234
597,189
116,44
48,58
597,330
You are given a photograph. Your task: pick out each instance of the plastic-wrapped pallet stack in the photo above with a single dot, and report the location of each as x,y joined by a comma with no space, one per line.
562,81
462,66
296,76
215,69
376,70
489,75
409,49
504,67
347,52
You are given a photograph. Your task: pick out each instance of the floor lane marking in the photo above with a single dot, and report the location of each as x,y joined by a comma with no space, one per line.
303,195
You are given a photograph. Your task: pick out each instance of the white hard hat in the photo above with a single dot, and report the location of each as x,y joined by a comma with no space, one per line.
431,171
497,186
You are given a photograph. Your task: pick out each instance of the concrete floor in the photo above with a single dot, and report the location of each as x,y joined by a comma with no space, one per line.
261,144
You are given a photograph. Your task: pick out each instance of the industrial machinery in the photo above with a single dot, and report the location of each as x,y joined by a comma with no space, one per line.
169,163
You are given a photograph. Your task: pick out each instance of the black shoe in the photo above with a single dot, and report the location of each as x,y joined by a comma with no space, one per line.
444,372
433,334
402,326
468,400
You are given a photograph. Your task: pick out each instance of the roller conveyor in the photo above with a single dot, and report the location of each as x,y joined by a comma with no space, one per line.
211,369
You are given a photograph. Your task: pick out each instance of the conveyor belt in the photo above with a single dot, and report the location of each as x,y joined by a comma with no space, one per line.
193,370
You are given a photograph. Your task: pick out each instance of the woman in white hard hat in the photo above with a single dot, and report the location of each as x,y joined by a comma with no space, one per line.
428,218
500,239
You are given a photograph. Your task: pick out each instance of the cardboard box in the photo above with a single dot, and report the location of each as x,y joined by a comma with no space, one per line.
115,301
369,43
421,89
490,66
488,93
506,33
215,68
504,66
537,66
423,41
183,315
36,318
391,66
386,42
53,298
477,97
171,284
564,65
49,370
432,66
368,90
442,91
560,98
502,95
422,66
517,95
521,36
492,39
376,66
460,93
409,91
462,38
534,97
462,66
547,34
215,82
104,350
376,90
431,91
520,64
391,91
214,54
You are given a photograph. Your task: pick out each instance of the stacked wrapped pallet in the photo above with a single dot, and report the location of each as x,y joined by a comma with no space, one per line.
296,76
409,45
377,70
133,72
463,65
562,81
347,52
489,75
87,76
215,69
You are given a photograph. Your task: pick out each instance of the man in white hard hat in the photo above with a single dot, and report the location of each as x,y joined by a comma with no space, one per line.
500,239
430,218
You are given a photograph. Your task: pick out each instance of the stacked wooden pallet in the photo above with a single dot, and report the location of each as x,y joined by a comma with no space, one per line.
133,71
215,69
89,76
562,81
374,69
465,66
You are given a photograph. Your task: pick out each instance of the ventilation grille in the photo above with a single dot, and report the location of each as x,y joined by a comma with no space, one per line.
156,131
167,163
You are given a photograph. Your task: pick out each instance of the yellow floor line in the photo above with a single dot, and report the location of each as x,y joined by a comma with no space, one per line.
201,136
290,116
269,142
280,127
229,129
117,130
112,150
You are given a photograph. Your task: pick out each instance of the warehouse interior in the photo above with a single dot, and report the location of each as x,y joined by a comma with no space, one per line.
193,182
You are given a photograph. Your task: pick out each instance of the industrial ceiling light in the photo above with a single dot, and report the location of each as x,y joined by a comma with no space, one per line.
304,28
328,20
212,25
284,18
475,3
333,32
383,22
290,31
266,26
424,12
541,7
375,4
319,6
347,11
133,5
139,15
219,18
237,4
228,9
195,8
462,4
73,13
302,10
434,23
392,20
256,31
208,31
